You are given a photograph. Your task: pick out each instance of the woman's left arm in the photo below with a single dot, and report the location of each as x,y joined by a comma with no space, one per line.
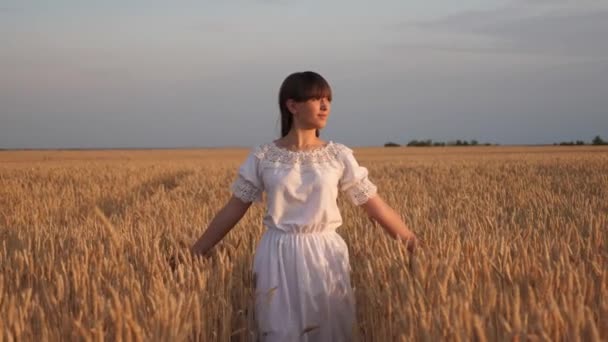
392,223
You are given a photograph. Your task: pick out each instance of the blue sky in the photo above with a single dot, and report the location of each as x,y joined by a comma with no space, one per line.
207,73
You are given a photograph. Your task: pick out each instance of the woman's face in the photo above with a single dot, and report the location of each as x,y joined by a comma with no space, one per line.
312,113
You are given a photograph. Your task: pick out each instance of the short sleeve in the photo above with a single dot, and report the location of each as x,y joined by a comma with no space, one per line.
354,181
248,184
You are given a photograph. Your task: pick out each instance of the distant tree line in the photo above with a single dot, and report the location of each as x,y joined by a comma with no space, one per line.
596,141
430,142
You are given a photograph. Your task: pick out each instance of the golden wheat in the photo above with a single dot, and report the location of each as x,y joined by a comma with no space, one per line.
516,246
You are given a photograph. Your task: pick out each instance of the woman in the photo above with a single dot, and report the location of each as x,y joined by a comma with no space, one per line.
301,266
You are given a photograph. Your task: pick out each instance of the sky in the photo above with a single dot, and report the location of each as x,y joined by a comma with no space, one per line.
145,74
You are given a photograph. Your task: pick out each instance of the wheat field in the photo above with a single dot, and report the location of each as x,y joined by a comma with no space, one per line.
516,246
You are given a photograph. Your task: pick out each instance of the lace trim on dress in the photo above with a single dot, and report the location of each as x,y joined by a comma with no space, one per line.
362,191
244,190
274,153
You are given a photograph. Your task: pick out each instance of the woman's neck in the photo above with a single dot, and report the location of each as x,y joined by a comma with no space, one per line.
301,139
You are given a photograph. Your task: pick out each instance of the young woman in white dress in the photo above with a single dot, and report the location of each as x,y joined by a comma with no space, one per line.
301,266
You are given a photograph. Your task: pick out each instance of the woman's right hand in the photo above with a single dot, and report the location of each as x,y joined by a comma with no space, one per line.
412,244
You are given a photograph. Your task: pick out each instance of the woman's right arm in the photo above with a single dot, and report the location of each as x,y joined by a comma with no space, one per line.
221,224
390,220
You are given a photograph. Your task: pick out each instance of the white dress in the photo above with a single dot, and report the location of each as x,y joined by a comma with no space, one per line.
301,267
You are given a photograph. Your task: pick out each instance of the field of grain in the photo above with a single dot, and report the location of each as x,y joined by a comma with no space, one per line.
516,246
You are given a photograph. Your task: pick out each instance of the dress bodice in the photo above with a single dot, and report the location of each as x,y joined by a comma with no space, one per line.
302,186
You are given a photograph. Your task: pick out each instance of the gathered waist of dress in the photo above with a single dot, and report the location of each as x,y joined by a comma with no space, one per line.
302,227
302,232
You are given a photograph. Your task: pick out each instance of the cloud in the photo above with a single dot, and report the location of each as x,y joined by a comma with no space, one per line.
553,29
9,10
566,33
274,2
561,3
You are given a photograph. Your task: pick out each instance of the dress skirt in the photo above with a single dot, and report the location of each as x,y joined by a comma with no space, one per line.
302,287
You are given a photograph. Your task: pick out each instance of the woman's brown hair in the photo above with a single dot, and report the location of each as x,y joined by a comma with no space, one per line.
300,87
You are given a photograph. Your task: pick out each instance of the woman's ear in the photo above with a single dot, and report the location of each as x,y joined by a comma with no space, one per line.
291,106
